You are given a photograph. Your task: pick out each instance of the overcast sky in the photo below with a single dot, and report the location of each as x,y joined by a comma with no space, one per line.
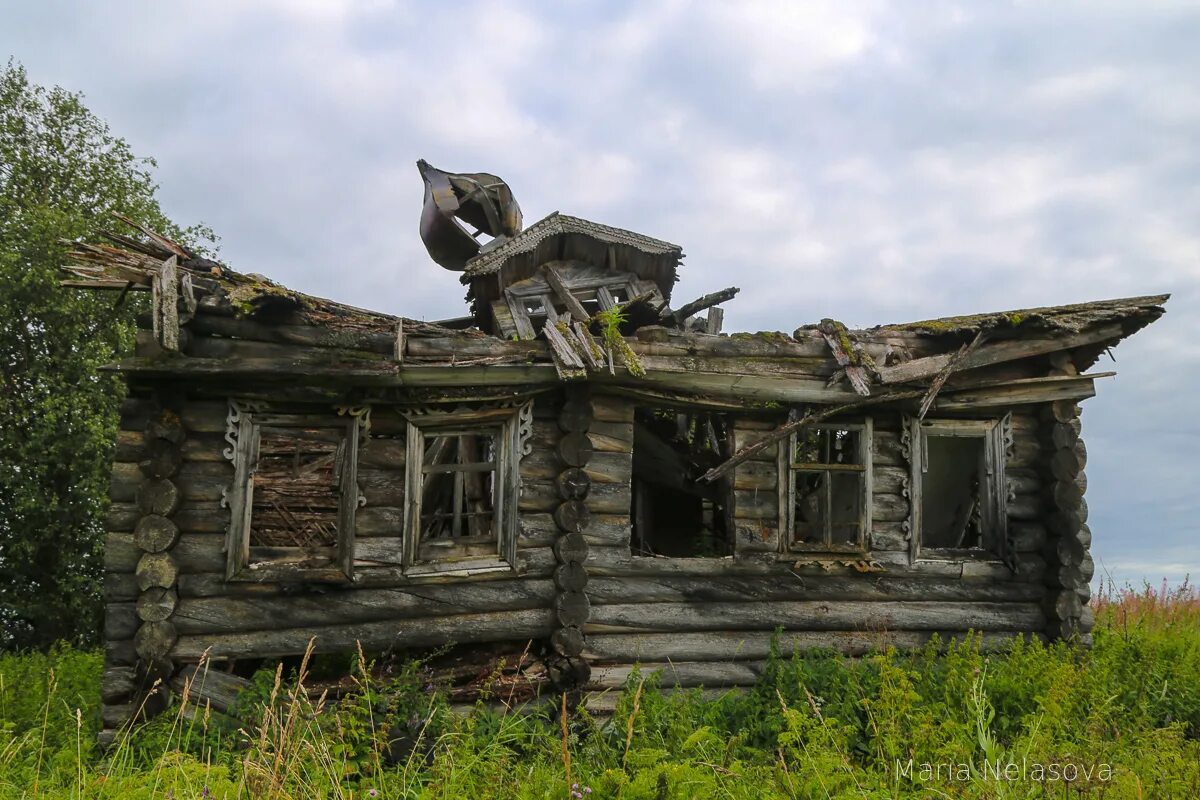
869,162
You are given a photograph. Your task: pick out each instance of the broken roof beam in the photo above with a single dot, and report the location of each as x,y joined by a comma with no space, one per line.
995,353
847,356
569,301
679,316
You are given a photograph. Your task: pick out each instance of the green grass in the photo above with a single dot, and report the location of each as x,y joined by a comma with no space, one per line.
818,726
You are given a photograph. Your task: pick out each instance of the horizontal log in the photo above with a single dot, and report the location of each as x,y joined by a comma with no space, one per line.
120,620
124,481
889,507
815,615
302,335
751,645
1027,537
745,437
612,408
117,684
889,480
889,536
787,586
122,517
683,674
755,504
540,530
209,687
602,467
1031,390
887,450
120,587
756,475
602,498
433,602
204,447
204,416
1025,507
129,447
513,626
801,368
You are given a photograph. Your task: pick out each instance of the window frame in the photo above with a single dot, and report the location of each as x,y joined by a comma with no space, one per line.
513,424
243,432
997,437
787,475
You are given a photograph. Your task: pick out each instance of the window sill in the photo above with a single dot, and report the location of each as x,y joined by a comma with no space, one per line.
261,572
460,569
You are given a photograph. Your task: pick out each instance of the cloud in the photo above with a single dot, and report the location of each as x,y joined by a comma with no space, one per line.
871,162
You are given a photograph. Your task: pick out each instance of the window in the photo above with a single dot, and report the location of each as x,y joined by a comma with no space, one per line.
958,488
674,515
462,482
294,494
828,487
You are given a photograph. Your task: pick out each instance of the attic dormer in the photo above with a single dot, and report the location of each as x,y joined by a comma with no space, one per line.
563,265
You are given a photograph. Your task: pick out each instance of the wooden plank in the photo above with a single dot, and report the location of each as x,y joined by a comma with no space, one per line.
1006,350
572,304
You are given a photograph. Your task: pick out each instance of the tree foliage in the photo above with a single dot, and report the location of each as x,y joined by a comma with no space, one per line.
62,173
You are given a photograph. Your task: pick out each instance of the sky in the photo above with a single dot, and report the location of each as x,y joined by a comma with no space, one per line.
868,161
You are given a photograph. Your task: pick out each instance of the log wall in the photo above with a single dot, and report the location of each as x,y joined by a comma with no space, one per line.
591,607
710,621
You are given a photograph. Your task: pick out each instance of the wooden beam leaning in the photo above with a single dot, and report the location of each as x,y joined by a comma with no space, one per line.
951,365
564,294
165,303
707,301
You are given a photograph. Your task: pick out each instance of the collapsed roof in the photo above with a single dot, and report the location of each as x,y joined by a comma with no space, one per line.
629,342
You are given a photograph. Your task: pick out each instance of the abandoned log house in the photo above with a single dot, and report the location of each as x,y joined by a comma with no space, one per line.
580,474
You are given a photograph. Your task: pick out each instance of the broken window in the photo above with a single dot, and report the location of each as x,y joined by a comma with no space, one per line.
462,479
828,488
294,495
579,289
673,515
958,487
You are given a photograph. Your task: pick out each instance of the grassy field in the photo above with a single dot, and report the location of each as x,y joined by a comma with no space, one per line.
1121,720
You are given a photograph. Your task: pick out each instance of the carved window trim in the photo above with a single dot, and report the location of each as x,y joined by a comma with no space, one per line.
243,430
787,493
997,442
514,427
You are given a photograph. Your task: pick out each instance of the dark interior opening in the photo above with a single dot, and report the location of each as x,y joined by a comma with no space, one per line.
673,514
951,496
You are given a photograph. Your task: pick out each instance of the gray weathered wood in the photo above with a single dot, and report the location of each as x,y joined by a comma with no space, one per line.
158,496
154,640
157,604
572,608
155,533
457,628
156,569
814,615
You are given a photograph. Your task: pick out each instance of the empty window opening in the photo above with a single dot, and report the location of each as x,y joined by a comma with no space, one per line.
828,469
951,498
458,494
959,488
673,515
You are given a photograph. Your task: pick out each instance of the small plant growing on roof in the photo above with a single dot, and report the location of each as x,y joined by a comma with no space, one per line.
611,321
